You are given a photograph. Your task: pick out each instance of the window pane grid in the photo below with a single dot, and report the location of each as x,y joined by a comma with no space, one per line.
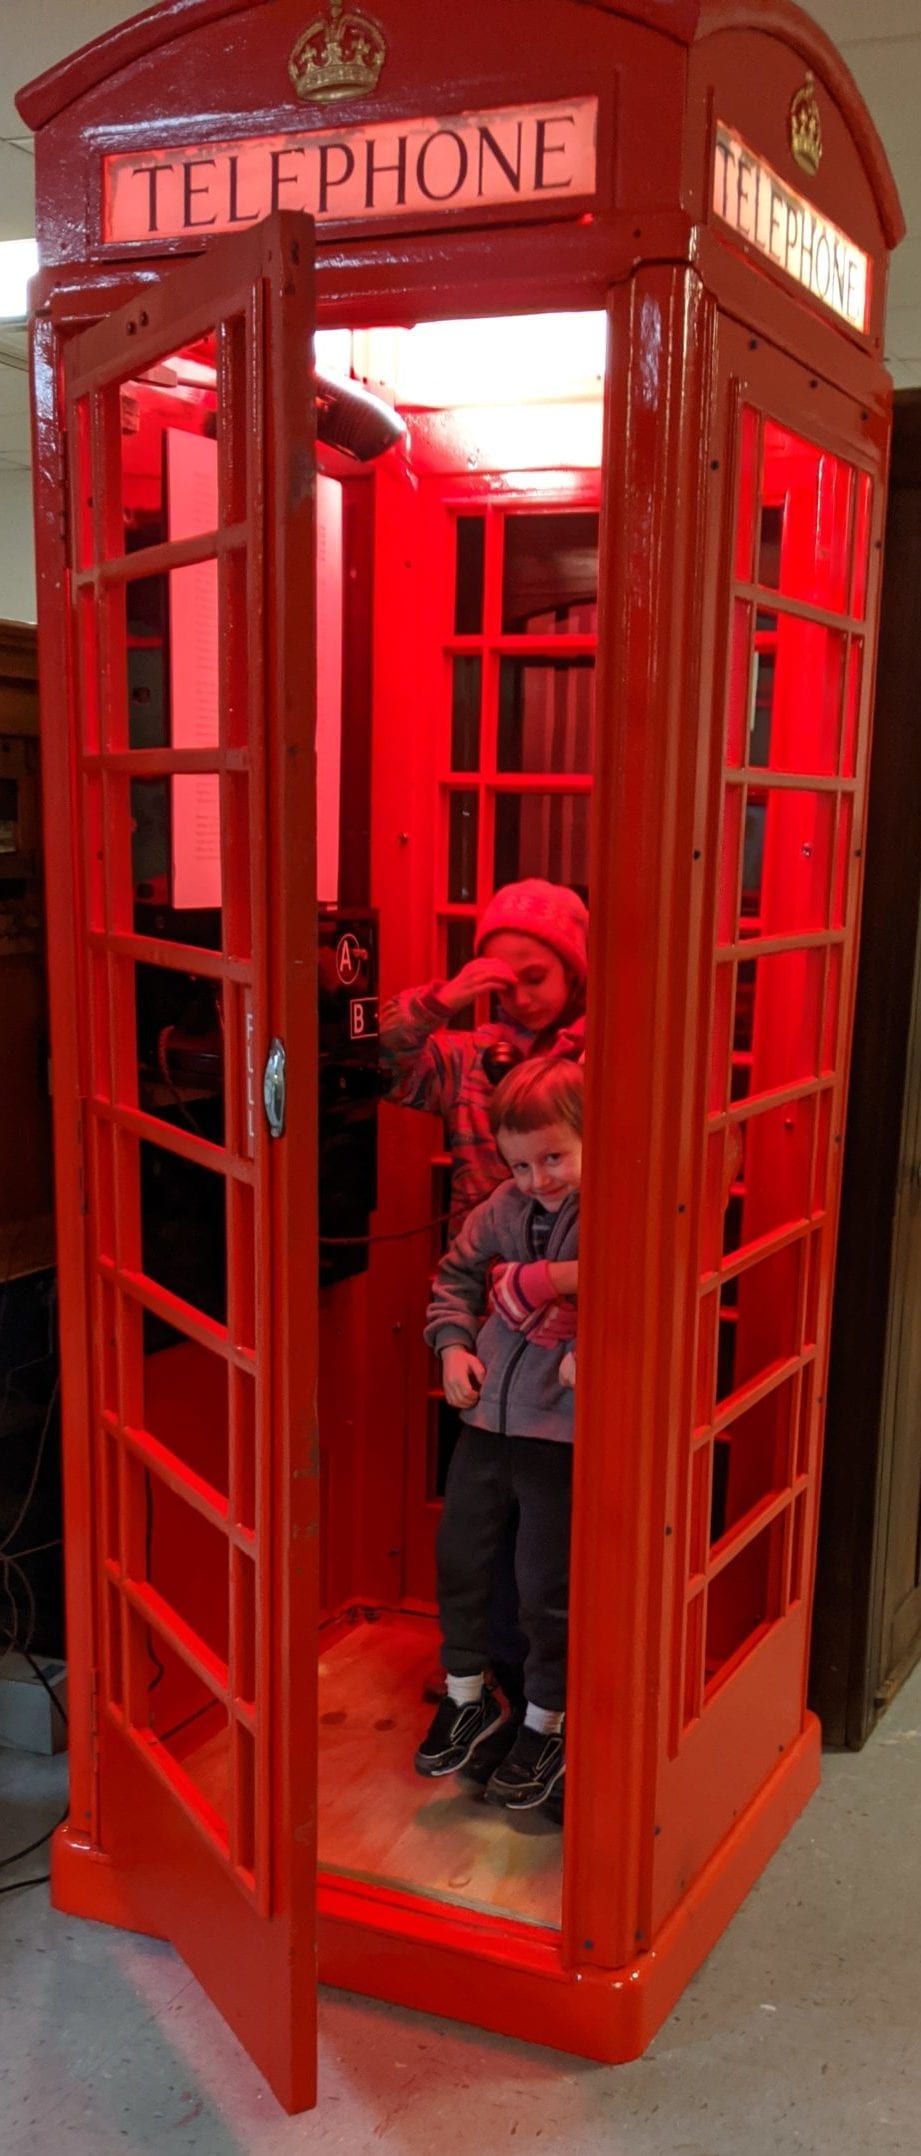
179,1654
517,705
784,900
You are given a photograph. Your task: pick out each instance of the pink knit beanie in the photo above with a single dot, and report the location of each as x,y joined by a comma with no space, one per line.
550,912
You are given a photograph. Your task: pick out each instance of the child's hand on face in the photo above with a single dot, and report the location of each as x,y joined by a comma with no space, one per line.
568,1368
479,978
462,1374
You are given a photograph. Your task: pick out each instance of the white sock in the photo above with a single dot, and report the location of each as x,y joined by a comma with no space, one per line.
543,1720
464,1691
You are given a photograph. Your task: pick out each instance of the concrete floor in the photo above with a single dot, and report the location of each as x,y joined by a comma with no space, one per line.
801,2034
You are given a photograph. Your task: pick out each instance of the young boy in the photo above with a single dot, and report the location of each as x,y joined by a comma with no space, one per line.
516,1446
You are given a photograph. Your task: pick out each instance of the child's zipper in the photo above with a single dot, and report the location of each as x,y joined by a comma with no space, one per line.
515,1358
510,1368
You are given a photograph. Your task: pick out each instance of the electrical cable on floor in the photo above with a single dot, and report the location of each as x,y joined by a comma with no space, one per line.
10,1565
38,1672
18,1854
36,1549
29,1851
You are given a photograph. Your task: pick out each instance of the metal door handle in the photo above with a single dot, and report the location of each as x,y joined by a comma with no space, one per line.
274,1088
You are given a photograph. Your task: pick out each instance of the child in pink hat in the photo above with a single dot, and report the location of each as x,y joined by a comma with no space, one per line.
532,952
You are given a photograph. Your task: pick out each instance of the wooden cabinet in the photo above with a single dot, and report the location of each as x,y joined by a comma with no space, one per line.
867,1621
26,1201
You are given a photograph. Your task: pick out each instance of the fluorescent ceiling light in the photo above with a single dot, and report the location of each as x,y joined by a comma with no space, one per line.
514,359
18,262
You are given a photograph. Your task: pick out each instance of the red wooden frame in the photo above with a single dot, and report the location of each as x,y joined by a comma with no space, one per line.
250,1861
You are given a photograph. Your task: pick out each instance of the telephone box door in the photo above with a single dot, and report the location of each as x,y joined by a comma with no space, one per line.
189,418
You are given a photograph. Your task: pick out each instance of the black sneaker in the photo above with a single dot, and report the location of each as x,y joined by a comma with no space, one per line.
532,1770
456,1733
495,1748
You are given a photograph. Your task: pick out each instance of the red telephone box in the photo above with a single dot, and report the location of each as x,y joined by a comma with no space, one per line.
647,581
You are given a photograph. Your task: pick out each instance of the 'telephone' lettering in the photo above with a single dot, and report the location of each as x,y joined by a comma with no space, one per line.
476,160
756,204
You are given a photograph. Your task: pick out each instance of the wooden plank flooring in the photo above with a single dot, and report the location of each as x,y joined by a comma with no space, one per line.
379,1821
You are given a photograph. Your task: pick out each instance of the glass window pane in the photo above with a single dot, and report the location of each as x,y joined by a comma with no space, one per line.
162,840
168,423
180,1050
739,690
459,940
773,1177
807,513
172,644
750,923
468,594
186,1563
757,1456
550,574
769,543
797,688
742,1602
546,715
465,714
764,669
787,862
463,826
777,1021
765,1303
181,1717
183,1232
184,1404
175,851
542,835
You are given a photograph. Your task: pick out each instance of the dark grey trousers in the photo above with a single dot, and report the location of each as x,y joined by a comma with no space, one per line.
488,1476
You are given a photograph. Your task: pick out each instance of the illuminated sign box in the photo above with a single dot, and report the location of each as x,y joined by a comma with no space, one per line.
398,168
759,206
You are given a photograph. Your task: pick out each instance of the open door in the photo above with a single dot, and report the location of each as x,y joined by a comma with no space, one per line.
191,592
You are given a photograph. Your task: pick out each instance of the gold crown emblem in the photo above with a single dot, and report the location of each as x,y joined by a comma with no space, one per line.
806,127
339,58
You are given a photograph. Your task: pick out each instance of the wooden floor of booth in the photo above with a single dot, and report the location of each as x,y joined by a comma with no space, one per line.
379,1821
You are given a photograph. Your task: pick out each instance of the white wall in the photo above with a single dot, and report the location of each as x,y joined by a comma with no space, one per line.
17,550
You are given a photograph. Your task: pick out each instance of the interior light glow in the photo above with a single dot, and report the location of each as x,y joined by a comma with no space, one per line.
514,359
18,262
333,352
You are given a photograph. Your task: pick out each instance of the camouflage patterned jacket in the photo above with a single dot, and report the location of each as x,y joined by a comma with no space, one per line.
442,1071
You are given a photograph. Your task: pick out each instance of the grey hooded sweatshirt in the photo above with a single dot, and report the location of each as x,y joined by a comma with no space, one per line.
521,1394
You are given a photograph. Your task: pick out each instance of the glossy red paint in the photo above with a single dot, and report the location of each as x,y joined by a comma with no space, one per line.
726,389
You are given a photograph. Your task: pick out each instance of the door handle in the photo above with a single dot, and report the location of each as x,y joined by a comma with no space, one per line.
274,1088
